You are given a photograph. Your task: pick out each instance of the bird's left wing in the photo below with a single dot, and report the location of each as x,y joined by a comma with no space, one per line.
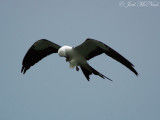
91,48
37,51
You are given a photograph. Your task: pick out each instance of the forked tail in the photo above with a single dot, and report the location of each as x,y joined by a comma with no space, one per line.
91,70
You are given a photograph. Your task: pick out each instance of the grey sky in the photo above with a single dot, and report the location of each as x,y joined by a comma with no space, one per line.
50,89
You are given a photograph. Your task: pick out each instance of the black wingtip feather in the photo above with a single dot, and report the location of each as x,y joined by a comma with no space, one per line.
24,69
133,70
118,57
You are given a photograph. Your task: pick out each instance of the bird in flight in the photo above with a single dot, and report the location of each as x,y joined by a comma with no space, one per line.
76,56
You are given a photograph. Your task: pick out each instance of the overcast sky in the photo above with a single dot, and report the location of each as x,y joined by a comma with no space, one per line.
50,90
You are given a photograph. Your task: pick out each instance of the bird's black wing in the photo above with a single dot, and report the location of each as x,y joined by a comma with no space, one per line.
91,48
37,51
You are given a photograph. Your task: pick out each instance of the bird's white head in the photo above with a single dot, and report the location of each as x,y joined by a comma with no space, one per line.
63,51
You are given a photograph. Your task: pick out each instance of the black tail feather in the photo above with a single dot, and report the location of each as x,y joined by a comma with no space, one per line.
87,73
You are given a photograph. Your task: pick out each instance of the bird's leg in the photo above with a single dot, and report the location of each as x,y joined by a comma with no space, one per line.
77,68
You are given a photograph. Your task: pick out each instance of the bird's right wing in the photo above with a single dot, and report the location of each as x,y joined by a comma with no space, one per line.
91,48
37,51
